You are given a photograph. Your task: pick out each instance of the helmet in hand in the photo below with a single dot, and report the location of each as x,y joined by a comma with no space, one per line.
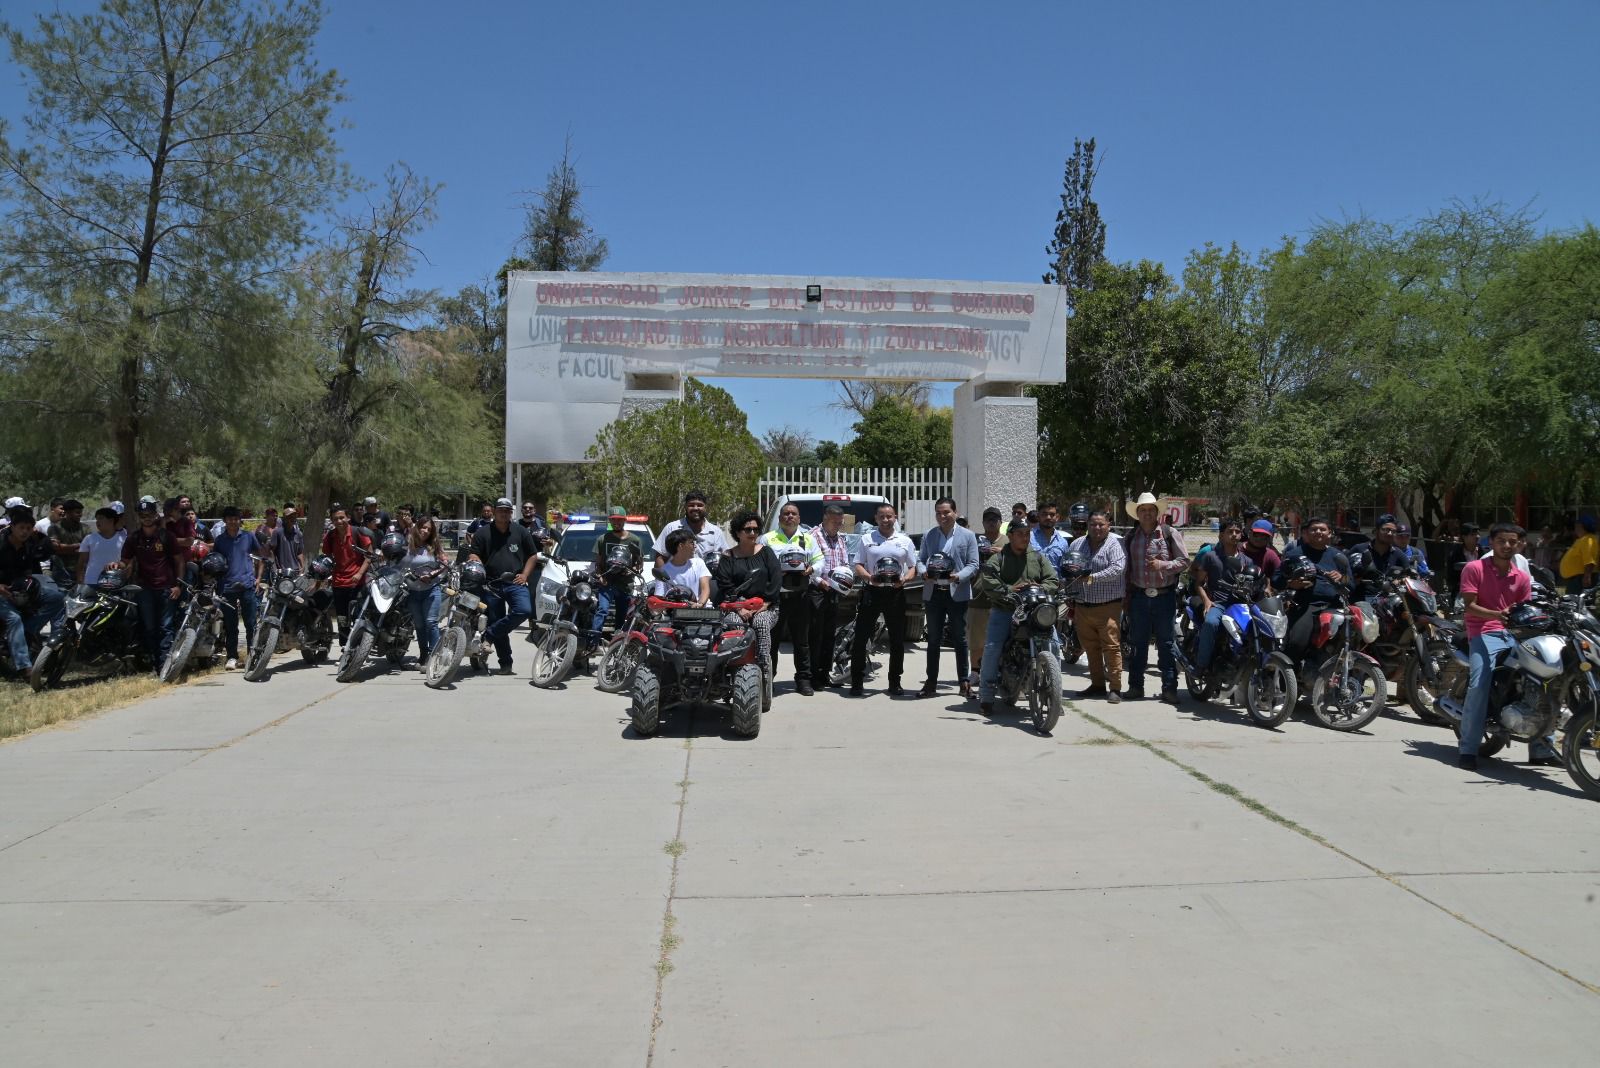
393,545
214,566
473,575
111,580
1298,568
840,580
1074,565
321,568
886,573
940,569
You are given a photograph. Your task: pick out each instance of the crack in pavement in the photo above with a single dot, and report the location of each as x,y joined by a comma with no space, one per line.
1269,814
1000,891
675,849
201,754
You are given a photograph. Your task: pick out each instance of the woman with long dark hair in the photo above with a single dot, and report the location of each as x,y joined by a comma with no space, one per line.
422,547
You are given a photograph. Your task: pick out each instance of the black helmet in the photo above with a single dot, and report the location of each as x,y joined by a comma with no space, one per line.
111,581
680,595
887,572
321,568
1078,515
473,575
1074,564
25,593
1299,567
619,556
1528,616
711,560
940,568
214,566
393,545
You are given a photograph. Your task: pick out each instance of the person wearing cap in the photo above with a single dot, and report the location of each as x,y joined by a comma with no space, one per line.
1156,562
372,513
834,546
508,552
1006,573
1370,560
1258,548
613,588
157,562
1098,611
989,542
286,544
794,602
1581,562
1410,554
708,537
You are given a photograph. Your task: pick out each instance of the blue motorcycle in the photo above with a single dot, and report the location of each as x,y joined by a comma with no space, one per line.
1247,659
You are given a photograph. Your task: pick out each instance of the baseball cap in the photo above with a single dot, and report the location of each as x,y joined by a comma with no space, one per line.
16,502
617,515
147,503
1401,528
503,502
1263,525
992,512
370,500
117,507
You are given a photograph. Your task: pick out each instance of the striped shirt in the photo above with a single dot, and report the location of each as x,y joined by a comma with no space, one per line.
1107,579
835,552
1145,552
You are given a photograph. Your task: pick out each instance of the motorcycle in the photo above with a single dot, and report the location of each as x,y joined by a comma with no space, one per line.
100,627
1028,662
1247,658
619,658
25,597
381,622
292,607
201,630
1580,750
557,648
464,617
697,655
1414,639
1348,690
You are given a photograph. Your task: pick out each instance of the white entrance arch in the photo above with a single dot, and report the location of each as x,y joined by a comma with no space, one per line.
583,348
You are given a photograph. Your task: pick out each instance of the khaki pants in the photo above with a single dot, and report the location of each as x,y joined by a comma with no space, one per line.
1101,637
977,624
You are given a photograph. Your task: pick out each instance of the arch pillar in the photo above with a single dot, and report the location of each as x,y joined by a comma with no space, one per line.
995,447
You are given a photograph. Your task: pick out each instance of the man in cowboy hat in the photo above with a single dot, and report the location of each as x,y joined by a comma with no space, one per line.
1156,561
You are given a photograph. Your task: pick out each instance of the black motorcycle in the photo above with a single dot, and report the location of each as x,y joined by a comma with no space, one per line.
1028,661
201,628
99,630
463,618
558,647
1414,639
296,612
382,624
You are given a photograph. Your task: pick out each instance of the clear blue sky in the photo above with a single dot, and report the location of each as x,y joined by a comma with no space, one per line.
927,140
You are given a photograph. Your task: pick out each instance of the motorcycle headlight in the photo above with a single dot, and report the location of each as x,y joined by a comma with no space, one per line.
1279,622
77,606
286,587
1044,616
389,585
582,594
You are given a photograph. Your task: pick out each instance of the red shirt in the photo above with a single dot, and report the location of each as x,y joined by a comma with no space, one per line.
346,561
156,557
1495,591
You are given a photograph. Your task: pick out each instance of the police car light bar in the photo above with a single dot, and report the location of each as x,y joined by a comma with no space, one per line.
637,518
580,519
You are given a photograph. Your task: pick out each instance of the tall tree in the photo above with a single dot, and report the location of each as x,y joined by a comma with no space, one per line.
860,395
1079,242
787,445
173,154
648,459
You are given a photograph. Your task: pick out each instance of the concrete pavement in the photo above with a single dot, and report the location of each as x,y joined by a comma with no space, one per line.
303,872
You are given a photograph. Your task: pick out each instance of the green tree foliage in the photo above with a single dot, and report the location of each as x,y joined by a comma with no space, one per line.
896,433
647,460
1152,390
173,154
372,403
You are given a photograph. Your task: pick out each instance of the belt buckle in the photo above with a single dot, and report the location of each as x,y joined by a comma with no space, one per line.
1151,591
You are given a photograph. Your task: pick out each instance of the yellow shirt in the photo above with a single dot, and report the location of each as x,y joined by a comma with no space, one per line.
1584,552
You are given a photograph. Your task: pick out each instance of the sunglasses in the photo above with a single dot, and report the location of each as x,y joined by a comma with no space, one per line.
749,530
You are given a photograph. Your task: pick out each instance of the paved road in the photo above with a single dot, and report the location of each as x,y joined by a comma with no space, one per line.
299,872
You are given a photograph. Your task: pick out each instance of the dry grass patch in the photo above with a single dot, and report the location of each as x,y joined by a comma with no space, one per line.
22,710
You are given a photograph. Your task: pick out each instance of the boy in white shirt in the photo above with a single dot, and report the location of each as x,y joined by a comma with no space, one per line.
100,548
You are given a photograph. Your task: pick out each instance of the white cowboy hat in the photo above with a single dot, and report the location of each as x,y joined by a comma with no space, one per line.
1144,498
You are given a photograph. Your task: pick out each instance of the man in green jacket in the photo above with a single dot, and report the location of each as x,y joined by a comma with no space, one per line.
1005,573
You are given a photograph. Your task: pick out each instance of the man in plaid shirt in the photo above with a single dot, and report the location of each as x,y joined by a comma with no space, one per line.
835,547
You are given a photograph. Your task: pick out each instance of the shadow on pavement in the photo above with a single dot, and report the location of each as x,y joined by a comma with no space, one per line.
1501,770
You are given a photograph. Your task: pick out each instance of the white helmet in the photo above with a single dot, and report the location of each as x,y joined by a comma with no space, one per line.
840,580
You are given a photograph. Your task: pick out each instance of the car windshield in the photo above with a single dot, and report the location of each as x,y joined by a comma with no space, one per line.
856,512
577,546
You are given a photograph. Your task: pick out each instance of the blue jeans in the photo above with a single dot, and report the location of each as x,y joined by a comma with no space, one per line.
241,599
1486,650
424,605
602,609
51,607
1206,644
509,606
158,618
994,640
1147,613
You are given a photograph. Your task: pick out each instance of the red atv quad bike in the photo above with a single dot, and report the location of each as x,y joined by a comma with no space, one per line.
694,656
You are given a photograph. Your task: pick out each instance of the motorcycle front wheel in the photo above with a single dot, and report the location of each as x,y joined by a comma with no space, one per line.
51,663
1423,696
1270,693
178,656
260,654
1044,693
1348,700
553,656
1581,752
839,673
355,654
618,662
445,659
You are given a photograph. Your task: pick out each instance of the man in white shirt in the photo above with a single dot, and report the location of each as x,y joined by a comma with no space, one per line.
103,547
708,537
885,560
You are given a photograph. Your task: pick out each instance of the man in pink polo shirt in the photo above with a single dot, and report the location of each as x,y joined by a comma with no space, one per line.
1490,587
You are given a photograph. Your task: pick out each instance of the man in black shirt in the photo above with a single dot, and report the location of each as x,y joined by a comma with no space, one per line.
1371,559
505,549
1333,576
1215,572
614,580
23,551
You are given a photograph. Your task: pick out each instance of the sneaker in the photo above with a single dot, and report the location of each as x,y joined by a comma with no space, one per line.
232,664
1113,697
1546,759
987,708
1467,762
